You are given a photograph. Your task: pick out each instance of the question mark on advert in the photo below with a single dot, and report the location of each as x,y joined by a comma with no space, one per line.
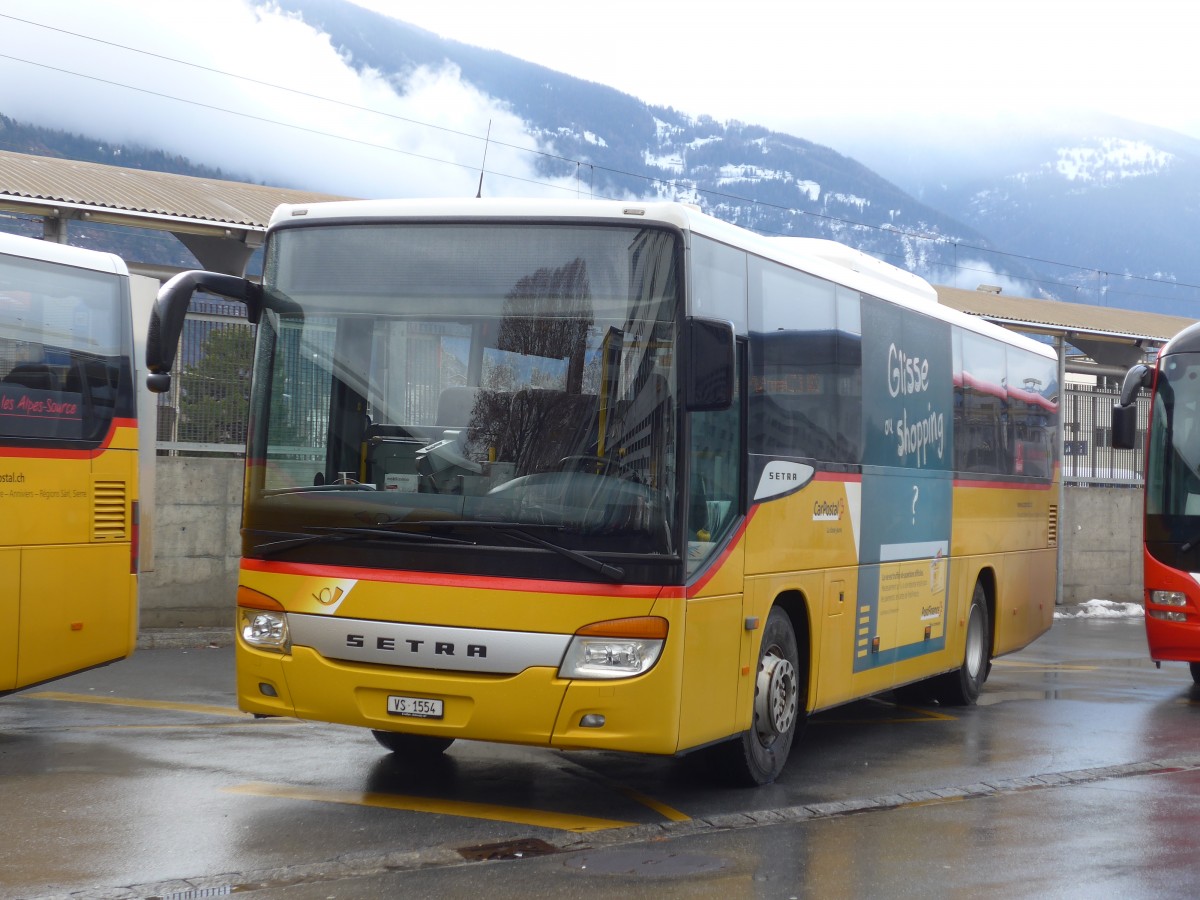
916,493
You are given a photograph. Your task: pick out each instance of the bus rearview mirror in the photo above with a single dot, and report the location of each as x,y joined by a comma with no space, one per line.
710,365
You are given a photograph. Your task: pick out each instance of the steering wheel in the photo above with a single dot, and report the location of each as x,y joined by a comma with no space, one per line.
601,465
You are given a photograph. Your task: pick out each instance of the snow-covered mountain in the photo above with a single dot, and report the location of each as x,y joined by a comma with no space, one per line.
1071,207
612,144
1105,210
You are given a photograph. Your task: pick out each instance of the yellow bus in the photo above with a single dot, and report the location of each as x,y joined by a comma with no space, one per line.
69,473
594,474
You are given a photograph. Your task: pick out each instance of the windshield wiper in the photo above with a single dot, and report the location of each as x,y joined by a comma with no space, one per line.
521,531
344,533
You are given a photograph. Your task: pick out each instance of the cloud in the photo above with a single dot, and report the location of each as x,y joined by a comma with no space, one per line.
205,88
784,65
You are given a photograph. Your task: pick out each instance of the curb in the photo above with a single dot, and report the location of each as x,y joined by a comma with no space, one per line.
184,638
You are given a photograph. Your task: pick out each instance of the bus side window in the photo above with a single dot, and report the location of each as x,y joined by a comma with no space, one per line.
35,376
715,475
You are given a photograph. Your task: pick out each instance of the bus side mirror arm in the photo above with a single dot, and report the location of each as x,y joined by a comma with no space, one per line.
1124,414
170,311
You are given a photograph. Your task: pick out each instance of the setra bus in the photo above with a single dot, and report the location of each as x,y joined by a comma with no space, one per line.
1171,523
593,474
69,461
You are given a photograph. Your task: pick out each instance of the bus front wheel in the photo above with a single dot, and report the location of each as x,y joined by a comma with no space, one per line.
962,686
780,694
413,746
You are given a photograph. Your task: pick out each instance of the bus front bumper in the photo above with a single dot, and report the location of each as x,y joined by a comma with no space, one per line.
534,707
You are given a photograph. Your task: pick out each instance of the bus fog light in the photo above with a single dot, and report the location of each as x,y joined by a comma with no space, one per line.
1166,616
595,657
1168,598
592,720
265,629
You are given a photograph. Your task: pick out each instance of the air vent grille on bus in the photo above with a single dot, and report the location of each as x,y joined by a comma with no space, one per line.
109,522
1052,532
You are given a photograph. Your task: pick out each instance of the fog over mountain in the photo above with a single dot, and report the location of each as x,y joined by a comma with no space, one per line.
327,96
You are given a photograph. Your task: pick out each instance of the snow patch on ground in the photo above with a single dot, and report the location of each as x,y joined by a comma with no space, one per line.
1101,609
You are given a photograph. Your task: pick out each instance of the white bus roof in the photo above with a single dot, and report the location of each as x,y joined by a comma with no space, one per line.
62,254
822,258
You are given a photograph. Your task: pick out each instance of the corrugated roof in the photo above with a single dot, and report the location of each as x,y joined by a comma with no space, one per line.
155,195
1055,316
172,202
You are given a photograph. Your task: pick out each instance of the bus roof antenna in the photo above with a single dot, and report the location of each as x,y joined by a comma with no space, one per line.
483,168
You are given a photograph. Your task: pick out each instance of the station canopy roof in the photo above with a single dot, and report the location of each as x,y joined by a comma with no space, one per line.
1110,337
223,222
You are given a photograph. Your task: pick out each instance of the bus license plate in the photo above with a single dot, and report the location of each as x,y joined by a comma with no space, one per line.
415,707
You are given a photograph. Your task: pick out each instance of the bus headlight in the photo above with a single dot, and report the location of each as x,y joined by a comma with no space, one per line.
1166,616
1168,598
617,648
266,630
262,621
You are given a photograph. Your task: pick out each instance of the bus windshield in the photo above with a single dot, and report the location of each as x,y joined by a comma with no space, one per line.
1173,474
505,385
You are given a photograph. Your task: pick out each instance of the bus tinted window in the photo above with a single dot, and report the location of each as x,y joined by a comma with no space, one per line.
1033,412
806,382
980,405
61,335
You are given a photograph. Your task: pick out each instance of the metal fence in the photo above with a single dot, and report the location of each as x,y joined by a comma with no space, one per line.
205,411
1088,454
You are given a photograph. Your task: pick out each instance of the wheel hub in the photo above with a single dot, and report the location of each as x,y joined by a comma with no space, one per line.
776,697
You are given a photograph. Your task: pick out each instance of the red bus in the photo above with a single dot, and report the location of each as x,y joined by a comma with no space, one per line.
1171,531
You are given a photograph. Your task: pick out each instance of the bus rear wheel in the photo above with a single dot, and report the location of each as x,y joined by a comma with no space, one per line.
963,686
1195,667
780,694
413,746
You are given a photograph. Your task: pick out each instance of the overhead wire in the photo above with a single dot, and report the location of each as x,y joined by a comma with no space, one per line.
656,181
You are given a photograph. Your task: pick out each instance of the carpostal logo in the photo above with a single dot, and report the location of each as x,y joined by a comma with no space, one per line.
826,511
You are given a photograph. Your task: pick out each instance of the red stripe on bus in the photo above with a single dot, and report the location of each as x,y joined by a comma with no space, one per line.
960,482
479,582
712,570
843,477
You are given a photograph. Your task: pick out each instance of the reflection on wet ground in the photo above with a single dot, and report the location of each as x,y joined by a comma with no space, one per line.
299,810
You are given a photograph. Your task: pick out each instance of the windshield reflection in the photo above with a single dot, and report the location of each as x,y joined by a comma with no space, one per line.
552,405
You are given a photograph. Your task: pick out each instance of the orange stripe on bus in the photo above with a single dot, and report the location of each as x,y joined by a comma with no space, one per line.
37,453
481,582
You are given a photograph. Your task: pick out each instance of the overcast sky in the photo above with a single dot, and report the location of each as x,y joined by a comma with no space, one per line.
160,73
783,63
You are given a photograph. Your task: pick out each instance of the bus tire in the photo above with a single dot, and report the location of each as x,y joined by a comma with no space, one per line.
757,756
413,746
1195,667
962,686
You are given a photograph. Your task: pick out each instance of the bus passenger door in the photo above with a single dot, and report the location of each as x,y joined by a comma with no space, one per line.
837,636
10,607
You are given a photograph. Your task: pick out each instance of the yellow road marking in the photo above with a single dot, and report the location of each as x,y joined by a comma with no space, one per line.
175,726
920,714
139,704
1050,667
463,808
667,812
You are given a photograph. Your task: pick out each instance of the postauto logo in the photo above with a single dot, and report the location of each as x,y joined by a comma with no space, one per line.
829,511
